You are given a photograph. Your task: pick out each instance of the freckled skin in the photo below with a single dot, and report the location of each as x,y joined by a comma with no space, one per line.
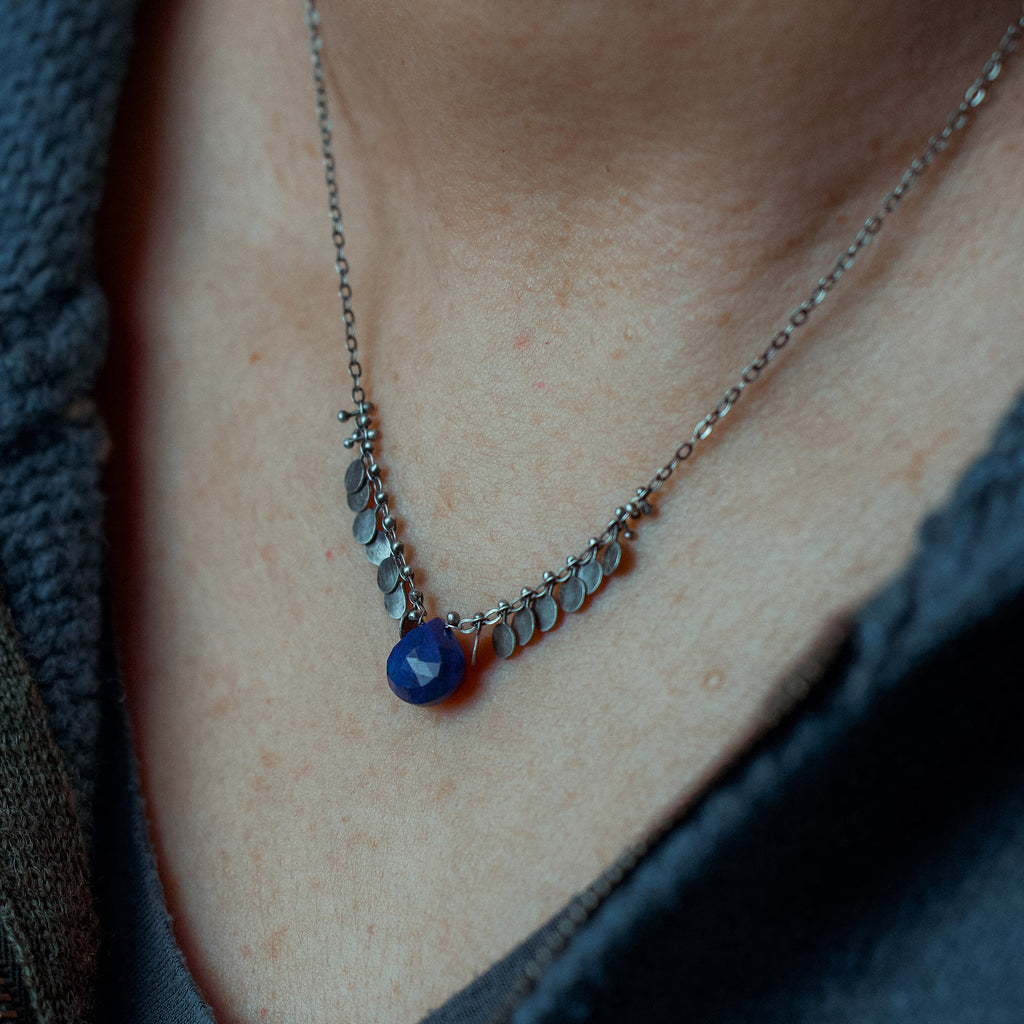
584,199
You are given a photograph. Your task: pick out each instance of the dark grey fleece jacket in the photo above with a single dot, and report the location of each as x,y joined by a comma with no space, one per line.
863,862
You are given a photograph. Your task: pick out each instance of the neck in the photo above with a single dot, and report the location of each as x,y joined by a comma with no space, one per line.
736,118
522,193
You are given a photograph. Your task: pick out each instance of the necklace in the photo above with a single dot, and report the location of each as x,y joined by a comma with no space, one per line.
428,665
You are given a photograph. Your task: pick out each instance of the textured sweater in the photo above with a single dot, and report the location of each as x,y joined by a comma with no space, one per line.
864,861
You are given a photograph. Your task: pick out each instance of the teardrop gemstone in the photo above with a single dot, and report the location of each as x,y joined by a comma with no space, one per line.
427,665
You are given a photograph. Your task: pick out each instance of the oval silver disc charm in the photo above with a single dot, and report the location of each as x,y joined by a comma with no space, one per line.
546,611
610,558
503,640
357,499
571,594
378,548
387,575
365,525
394,603
590,575
523,625
355,476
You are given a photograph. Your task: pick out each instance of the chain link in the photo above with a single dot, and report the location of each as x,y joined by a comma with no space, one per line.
618,527
364,435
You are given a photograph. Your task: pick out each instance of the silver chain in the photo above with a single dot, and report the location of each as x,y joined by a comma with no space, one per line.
639,505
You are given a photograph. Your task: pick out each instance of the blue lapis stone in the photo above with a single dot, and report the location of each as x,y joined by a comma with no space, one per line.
426,665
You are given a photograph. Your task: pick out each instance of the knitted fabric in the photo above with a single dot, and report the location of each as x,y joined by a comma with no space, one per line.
46,912
865,862
13,994
60,70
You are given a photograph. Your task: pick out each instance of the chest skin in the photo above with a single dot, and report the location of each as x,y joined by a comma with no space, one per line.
324,846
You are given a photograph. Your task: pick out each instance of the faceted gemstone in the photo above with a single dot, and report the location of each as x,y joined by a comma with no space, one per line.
427,665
